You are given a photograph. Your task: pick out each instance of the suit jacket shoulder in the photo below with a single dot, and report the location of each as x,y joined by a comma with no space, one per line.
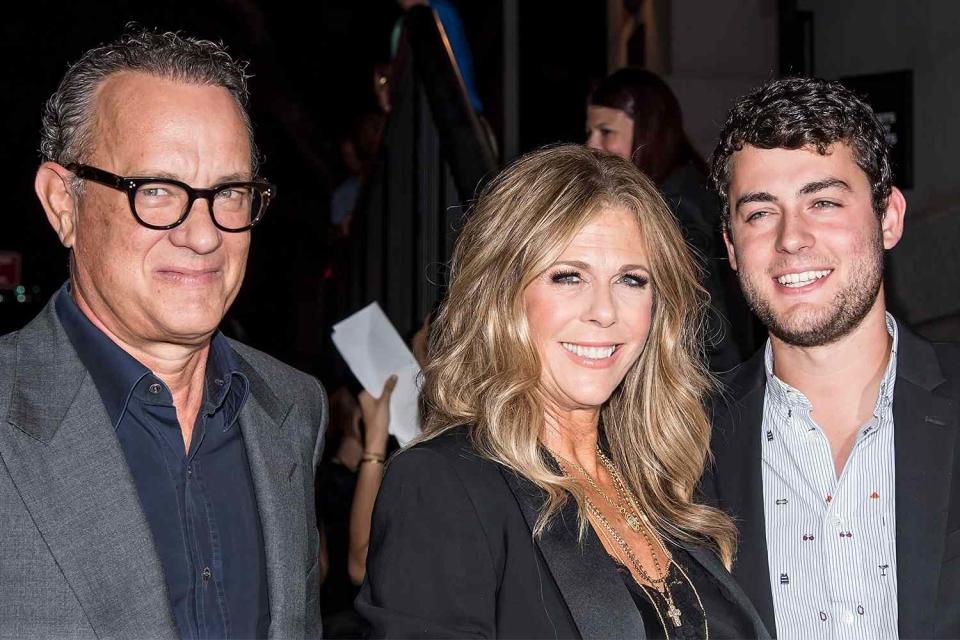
281,388
730,404
431,571
8,358
948,355
71,524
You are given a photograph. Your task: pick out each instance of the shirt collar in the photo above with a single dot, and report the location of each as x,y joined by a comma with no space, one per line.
116,373
225,386
782,393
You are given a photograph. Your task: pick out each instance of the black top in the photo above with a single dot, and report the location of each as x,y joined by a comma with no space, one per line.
452,555
724,620
200,505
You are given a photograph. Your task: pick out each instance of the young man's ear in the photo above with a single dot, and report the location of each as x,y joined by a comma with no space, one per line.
731,252
891,225
53,185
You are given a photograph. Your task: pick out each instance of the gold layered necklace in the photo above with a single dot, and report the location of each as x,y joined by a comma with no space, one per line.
626,506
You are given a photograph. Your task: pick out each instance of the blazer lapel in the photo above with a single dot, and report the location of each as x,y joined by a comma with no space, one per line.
924,434
61,452
738,476
278,483
599,602
728,586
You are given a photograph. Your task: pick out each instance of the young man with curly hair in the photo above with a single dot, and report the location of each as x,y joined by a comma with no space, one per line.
836,446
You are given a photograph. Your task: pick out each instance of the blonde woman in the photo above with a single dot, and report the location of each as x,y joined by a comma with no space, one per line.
564,432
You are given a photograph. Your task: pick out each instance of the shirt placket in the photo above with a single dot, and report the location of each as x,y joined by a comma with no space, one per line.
844,538
814,449
212,573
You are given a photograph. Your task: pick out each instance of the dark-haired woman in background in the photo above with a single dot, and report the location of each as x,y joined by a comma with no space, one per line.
551,494
633,114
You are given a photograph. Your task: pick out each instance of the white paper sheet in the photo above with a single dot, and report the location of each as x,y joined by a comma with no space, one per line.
372,348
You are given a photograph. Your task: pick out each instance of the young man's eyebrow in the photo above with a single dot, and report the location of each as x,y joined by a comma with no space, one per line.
755,196
820,185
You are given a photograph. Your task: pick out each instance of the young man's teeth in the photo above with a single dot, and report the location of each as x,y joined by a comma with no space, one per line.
801,279
593,353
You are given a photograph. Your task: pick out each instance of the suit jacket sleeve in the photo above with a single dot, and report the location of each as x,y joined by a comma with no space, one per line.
430,572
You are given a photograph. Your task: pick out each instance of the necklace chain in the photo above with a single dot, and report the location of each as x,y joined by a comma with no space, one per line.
632,518
635,521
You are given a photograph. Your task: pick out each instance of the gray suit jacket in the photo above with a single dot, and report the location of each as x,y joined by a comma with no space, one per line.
77,558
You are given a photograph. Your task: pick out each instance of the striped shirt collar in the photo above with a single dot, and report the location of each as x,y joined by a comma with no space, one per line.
784,395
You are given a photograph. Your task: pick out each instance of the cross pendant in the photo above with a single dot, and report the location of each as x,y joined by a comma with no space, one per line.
674,614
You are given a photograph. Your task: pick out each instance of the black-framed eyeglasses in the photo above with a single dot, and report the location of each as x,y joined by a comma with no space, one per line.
162,203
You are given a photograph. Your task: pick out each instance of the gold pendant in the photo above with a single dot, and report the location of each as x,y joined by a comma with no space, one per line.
633,522
674,614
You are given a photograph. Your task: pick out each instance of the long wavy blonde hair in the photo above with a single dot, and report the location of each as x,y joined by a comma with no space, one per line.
484,369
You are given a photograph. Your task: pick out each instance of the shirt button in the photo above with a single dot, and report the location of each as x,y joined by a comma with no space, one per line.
848,617
206,573
155,388
838,520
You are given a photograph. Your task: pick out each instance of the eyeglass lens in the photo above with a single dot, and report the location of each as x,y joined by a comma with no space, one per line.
161,204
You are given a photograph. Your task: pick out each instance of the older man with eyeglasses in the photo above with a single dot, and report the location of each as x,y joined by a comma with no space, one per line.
156,478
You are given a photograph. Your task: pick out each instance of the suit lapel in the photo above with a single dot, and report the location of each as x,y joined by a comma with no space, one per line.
599,602
278,483
733,591
739,480
63,456
924,434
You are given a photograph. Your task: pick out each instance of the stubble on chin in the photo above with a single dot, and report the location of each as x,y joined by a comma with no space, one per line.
815,326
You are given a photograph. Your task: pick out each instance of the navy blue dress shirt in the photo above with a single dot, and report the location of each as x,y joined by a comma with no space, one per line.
200,504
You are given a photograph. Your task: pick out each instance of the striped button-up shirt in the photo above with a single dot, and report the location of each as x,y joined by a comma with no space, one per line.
831,542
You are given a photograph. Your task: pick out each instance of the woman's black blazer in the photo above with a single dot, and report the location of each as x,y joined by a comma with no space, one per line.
451,556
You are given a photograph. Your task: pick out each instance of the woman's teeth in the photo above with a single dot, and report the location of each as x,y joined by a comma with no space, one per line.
591,353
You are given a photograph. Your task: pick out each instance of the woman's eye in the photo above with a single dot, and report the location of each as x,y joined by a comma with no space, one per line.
635,280
565,277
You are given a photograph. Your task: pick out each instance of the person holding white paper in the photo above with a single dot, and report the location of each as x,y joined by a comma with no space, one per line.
376,419
550,495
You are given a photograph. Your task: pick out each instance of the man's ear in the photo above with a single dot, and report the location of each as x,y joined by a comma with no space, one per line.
891,225
731,252
53,187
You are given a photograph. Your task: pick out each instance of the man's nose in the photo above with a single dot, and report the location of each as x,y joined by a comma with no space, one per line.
794,234
198,233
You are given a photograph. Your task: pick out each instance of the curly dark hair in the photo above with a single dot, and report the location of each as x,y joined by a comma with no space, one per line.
792,113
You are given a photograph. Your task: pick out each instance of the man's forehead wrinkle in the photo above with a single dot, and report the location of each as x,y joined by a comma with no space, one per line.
130,130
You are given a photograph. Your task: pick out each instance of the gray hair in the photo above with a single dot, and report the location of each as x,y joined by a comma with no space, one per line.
68,114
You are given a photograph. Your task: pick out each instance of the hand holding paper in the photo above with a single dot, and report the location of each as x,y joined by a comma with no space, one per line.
372,348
